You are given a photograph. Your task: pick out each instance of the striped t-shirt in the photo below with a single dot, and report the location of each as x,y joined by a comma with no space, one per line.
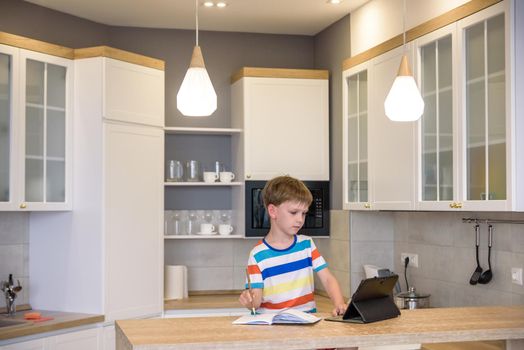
285,275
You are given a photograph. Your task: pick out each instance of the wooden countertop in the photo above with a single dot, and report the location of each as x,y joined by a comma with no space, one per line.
413,326
60,321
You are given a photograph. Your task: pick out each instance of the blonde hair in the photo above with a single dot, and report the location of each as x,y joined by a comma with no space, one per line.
285,188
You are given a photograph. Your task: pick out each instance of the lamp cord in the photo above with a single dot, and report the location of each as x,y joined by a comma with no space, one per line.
196,20
404,26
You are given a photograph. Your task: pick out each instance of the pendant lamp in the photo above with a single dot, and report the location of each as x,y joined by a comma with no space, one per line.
196,96
404,102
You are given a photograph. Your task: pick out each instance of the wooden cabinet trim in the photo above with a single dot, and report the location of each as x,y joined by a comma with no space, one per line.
433,24
69,53
36,45
121,55
259,72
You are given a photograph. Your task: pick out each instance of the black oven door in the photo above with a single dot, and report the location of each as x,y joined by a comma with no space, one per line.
317,218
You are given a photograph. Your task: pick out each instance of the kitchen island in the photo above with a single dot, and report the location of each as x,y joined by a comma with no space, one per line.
436,325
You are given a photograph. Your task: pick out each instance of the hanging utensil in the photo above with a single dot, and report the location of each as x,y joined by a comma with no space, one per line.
487,275
478,271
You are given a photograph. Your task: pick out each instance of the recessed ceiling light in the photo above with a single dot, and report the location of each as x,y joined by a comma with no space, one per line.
334,2
221,4
209,4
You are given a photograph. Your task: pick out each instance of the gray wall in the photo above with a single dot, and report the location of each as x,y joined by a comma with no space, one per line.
446,253
332,46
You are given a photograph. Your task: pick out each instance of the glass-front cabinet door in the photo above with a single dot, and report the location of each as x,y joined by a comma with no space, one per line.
8,100
437,156
46,106
355,126
485,142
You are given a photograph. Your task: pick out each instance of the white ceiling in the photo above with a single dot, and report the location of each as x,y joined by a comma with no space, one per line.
305,17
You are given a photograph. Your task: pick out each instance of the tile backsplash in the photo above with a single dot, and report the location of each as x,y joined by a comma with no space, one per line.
446,253
14,252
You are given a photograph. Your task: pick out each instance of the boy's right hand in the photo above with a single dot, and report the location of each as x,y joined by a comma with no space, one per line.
250,299
246,299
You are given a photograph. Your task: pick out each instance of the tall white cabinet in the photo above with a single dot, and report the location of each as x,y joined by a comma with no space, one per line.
106,256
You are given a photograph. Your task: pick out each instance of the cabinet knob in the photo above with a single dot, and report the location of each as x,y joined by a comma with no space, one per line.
23,206
367,205
248,176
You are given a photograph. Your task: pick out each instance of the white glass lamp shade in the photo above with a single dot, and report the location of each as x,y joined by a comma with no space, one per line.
196,96
404,102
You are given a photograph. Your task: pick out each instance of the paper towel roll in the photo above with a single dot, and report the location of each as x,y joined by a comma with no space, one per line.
175,282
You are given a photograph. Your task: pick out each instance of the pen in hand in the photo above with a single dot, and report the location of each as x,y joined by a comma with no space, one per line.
253,312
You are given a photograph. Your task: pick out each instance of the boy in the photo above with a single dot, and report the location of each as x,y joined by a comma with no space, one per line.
281,265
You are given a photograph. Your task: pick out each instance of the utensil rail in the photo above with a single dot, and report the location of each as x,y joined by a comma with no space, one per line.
491,221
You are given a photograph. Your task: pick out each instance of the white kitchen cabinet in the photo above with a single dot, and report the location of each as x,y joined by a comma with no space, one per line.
284,115
488,117
438,166
392,148
87,339
36,121
465,151
471,162
355,89
9,92
37,344
108,253
378,153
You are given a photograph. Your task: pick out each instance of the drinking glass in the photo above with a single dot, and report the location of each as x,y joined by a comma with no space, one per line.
175,171
192,171
192,222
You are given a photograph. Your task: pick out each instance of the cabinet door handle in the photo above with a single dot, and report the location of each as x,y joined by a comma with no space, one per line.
367,205
453,205
23,206
458,205
248,176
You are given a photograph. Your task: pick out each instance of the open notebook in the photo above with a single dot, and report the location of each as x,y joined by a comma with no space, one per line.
286,316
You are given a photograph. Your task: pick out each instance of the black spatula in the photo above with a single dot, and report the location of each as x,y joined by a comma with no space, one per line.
478,271
487,275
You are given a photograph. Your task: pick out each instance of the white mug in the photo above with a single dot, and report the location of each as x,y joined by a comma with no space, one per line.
210,176
226,176
207,229
225,229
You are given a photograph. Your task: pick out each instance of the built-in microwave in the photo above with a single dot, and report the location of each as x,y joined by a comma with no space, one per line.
317,217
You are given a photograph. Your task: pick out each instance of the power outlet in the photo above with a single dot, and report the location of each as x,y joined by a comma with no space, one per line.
516,275
413,259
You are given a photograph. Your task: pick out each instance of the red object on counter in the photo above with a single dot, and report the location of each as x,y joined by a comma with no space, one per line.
36,317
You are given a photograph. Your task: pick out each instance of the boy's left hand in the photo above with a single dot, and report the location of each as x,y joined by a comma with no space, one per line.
339,309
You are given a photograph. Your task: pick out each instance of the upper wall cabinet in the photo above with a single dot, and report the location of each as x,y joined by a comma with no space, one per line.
466,153
487,115
284,114
36,112
355,142
465,148
378,153
437,137
132,93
